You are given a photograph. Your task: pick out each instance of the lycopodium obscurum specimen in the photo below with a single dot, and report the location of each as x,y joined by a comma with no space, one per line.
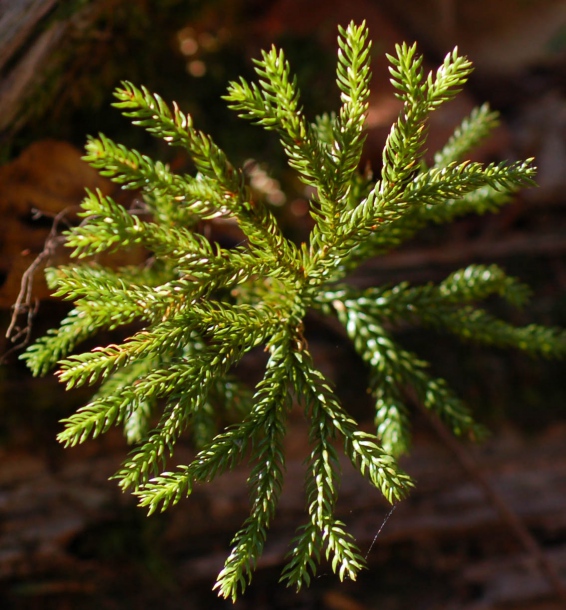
201,306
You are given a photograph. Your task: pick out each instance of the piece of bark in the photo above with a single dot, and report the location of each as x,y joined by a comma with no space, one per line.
26,52
17,22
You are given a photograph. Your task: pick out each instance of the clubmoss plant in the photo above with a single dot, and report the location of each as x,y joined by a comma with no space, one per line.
204,306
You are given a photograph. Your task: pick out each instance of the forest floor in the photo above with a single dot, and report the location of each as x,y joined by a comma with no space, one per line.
69,539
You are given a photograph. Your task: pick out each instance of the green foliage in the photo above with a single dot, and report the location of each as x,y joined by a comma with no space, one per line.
203,306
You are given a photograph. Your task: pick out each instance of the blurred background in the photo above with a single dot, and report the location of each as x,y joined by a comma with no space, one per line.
68,537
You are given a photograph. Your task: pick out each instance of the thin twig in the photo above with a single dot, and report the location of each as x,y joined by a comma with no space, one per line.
25,304
509,516
516,244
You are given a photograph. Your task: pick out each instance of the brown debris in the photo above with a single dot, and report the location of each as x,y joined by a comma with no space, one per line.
48,178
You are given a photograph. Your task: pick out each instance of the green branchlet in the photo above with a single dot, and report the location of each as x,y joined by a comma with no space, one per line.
202,306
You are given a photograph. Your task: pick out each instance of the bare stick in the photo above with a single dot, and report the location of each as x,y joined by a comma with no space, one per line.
511,518
25,304
516,244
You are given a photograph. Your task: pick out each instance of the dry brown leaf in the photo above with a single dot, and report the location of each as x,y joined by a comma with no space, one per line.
49,177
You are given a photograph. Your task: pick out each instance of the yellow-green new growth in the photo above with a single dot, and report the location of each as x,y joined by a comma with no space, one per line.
203,306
